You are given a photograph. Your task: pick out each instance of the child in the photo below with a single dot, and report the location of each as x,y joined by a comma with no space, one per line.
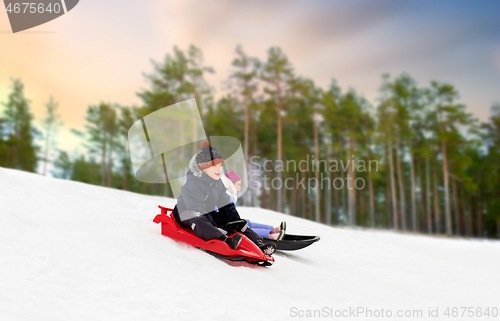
204,205
232,181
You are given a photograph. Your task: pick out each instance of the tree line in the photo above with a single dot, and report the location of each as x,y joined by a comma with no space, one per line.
438,167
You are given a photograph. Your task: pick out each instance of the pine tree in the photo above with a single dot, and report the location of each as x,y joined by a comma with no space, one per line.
368,131
245,74
101,128
491,135
125,121
350,113
408,101
4,150
386,116
18,131
226,119
50,125
63,166
332,123
277,71
446,116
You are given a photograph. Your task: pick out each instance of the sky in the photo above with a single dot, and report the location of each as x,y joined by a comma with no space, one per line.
100,50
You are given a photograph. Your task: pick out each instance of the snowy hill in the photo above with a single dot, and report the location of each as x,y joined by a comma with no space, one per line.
71,251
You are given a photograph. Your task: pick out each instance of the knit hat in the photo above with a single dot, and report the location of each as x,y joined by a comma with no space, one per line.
233,177
208,156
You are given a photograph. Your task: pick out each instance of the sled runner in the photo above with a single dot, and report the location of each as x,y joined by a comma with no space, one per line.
293,242
247,250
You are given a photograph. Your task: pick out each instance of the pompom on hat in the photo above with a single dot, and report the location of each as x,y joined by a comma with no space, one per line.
233,177
208,156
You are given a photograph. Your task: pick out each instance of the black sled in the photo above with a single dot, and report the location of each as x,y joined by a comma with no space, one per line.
293,242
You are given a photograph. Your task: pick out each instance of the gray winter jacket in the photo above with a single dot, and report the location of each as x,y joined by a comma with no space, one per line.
201,193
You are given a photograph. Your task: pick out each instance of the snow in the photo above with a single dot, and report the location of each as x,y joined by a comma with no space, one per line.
72,251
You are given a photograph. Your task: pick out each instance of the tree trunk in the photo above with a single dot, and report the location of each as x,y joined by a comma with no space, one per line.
15,159
110,159
343,205
298,204
343,193
245,105
455,207
124,178
335,201
470,221
303,196
445,178
362,208
428,194
254,145
436,203
465,215
413,196
328,194
352,191
388,200
103,163
336,213
372,200
393,185
328,203
9,158
480,223
370,188
421,214
402,201
110,168
316,171
284,201
446,190
92,172
278,192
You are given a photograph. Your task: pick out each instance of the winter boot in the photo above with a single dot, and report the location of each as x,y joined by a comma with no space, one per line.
266,248
234,241
281,235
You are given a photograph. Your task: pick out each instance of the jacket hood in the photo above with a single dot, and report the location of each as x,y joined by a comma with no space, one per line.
194,168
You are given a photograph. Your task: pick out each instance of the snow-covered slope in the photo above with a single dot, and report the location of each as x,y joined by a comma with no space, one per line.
71,251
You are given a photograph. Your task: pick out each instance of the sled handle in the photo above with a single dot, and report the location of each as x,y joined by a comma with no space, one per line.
165,210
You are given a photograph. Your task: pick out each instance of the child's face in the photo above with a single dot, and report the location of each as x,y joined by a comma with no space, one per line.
238,185
214,171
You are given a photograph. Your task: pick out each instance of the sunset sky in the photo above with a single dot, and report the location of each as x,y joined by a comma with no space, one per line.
99,50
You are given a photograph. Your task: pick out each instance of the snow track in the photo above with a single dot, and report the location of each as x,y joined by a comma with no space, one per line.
71,251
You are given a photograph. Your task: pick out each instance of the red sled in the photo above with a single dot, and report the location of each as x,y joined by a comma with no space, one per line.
247,250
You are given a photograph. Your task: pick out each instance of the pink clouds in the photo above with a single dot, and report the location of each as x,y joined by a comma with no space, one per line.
95,56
